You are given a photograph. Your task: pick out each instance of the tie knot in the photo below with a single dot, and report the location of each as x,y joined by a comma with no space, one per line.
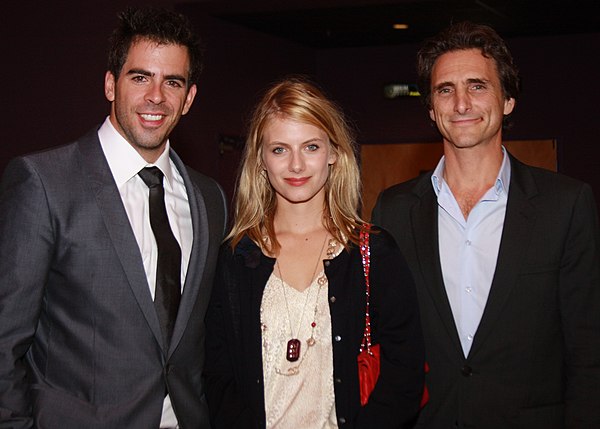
152,176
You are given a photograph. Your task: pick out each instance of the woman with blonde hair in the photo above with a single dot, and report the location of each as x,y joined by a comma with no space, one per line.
287,314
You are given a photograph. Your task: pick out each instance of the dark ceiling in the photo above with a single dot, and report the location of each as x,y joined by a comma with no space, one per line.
356,23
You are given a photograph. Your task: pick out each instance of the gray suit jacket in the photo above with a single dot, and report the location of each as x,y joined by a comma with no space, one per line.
80,343
535,358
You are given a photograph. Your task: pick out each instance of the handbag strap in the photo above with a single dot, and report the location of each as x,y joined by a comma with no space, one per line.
365,252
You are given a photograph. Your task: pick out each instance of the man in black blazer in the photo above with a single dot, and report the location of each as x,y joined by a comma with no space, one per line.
81,345
505,257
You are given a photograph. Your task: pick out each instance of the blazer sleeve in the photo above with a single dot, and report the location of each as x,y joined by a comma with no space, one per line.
394,402
580,313
26,249
229,407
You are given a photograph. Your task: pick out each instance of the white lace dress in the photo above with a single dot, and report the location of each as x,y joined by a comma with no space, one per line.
297,394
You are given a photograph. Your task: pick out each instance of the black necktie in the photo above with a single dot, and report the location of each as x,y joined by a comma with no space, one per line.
168,270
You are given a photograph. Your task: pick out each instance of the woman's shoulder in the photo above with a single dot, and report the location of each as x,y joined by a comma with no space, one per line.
244,246
246,252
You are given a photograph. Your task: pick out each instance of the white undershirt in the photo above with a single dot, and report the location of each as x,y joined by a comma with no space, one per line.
125,162
307,399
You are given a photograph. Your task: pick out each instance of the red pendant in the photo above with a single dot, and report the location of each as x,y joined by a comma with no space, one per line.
293,350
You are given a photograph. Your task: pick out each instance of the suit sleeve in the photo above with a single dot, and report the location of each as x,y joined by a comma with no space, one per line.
26,243
580,312
394,402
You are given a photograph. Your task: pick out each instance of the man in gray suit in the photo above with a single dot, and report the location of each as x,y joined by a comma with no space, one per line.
83,340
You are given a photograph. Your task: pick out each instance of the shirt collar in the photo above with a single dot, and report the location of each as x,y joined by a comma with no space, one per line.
124,161
502,180
437,178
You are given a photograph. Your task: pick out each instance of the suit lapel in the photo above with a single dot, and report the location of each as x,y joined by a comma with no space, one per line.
117,224
516,232
424,221
200,244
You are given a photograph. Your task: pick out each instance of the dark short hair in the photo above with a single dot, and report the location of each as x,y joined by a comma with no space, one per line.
162,26
461,36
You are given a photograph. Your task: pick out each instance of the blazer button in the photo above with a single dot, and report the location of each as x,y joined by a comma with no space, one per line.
332,299
338,380
337,338
327,263
466,371
342,420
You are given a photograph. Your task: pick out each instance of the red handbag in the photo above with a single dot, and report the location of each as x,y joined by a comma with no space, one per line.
425,397
368,357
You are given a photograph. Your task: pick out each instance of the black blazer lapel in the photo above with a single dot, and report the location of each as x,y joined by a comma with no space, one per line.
113,213
424,221
518,221
201,240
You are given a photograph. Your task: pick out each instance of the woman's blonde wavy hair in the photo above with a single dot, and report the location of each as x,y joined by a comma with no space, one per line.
255,202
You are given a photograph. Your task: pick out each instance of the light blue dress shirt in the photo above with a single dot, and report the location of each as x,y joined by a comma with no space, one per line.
469,248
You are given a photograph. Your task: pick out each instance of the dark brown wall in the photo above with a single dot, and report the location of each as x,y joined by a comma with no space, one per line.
558,101
239,65
55,62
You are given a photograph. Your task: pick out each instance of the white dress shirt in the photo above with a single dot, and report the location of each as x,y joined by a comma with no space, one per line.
125,162
469,248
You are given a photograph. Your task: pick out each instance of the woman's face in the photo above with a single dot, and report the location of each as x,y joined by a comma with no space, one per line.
296,157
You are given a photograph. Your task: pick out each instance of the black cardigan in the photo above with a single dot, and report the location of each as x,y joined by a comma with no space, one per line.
233,369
